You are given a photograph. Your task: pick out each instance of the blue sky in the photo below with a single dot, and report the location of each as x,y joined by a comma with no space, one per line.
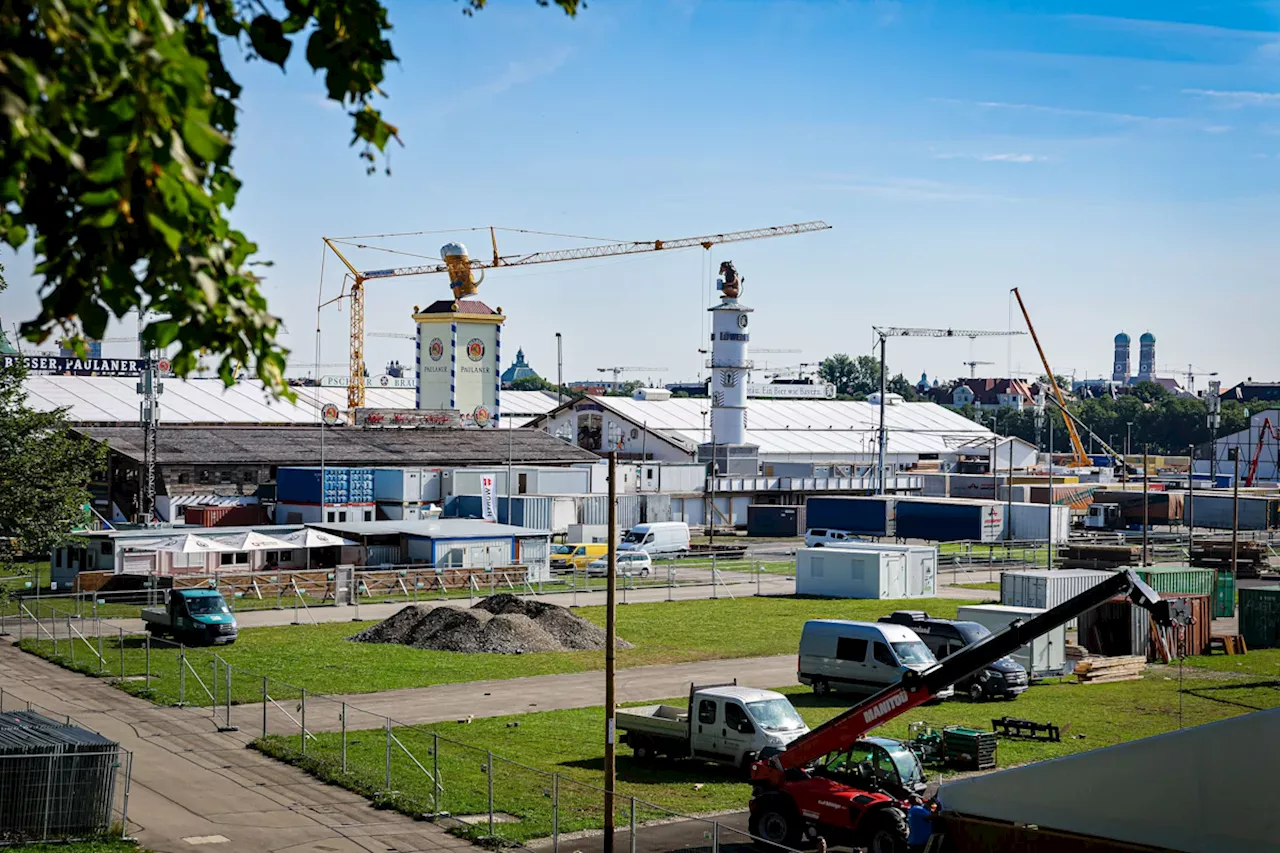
1122,169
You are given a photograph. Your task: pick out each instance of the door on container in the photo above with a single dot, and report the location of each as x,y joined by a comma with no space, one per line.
929,574
411,488
894,572
915,574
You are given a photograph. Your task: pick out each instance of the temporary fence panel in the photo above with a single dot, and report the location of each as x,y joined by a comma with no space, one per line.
1260,616
1044,656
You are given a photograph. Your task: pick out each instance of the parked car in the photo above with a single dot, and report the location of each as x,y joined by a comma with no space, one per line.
860,657
662,537
628,562
1001,679
816,537
573,556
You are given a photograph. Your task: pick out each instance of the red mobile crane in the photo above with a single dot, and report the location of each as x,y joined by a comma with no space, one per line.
816,786
1266,430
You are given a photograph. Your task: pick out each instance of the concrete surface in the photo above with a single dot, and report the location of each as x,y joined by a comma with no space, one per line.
193,786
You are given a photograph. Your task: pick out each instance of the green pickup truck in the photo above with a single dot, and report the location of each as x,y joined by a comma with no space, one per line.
193,616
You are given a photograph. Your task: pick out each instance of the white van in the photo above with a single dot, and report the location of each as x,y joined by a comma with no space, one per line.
661,537
860,657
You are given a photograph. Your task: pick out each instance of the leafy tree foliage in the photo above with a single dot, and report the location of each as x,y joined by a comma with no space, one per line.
857,377
117,124
44,471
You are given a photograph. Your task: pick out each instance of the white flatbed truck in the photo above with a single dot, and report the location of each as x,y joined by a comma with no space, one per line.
722,723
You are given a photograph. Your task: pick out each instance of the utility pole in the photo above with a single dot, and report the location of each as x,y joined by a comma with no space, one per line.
1008,485
1214,404
1235,511
559,370
1191,507
1146,509
150,387
610,647
884,437
1128,433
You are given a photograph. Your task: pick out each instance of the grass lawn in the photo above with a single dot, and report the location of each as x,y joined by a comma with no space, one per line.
319,658
992,586
568,743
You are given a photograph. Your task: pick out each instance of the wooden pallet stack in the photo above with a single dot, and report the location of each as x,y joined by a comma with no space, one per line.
1251,559
1100,556
1098,670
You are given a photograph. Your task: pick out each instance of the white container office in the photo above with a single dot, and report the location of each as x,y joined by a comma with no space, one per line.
880,573
1045,656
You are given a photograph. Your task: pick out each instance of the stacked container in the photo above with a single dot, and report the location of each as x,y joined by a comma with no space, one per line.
1260,617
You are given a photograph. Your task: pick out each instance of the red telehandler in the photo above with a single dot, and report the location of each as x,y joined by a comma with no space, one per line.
836,783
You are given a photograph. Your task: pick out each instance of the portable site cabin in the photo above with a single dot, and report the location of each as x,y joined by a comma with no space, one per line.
853,571
1043,657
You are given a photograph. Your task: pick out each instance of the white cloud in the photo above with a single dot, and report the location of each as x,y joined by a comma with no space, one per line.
1237,98
1148,26
994,158
1123,118
519,73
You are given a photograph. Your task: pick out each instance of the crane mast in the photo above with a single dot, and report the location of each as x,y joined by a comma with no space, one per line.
356,386
1077,446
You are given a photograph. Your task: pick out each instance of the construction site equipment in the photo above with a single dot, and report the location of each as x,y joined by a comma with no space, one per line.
1251,557
973,367
885,332
815,788
461,269
1264,432
1026,730
618,371
1100,670
1081,457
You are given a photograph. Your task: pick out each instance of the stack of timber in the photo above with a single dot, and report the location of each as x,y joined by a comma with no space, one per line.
1076,653
1251,559
1100,556
1100,670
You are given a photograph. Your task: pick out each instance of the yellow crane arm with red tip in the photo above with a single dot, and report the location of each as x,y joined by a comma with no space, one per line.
1077,446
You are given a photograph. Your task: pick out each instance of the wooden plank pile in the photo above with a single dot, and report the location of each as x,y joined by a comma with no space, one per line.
1100,556
1251,559
1099,670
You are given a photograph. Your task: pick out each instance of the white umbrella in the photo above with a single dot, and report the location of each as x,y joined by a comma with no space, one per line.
309,538
251,540
186,543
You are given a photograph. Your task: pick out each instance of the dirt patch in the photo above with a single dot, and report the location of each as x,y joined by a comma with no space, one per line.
499,624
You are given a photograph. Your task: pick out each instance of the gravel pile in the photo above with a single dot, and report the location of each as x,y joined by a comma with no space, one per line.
500,624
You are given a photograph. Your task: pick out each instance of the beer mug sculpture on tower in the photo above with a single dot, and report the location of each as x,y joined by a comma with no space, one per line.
462,278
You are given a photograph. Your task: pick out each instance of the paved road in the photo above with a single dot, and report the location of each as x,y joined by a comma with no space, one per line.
516,695
191,784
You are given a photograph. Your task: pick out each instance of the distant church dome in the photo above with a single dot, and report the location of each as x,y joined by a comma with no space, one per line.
1122,338
1147,338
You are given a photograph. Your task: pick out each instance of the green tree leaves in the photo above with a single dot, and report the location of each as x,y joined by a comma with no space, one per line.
117,127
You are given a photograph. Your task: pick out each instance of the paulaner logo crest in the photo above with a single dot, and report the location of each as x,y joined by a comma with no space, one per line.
475,349
436,349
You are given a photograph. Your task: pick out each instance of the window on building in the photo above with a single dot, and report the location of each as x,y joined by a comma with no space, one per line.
368,515
331,514
286,556
250,476
342,516
204,475
104,547
851,649
183,478
522,486
189,561
242,558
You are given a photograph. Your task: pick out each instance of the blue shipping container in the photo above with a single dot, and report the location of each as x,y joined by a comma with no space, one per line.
864,516
950,521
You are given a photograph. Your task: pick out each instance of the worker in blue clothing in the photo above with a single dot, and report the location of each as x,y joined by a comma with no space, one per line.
920,819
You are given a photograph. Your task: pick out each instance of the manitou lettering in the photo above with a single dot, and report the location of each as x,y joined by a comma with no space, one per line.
884,706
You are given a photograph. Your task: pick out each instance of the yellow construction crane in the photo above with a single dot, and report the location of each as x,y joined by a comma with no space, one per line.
1082,459
461,269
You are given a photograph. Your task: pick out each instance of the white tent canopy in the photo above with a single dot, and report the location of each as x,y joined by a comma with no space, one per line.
186,543
309,538
251,540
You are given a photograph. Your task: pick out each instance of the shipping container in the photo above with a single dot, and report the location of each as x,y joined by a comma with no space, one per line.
404,511
1119,627
672,478
1214,510
1260,616
299,513
1046,588
303,485
1224,597
949,520
1043,657
240,515
862,516
775,520
1031,522
400,485
922,561
848,572
587,533
595,510
1179,579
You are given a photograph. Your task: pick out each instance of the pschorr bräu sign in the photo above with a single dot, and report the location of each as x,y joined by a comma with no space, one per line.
77,366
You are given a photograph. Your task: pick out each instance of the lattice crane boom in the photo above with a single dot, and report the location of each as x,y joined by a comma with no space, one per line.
1077,446
355,391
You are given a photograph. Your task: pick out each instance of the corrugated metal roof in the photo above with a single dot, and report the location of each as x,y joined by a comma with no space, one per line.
440,528
114,399
301,445
813,426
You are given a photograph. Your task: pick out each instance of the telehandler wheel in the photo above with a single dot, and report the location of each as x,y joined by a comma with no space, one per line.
774,822
889,832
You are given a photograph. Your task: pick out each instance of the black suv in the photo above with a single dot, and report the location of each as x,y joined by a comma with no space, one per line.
1004,678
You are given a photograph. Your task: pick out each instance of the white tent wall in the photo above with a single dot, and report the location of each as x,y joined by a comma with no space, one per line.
1182,791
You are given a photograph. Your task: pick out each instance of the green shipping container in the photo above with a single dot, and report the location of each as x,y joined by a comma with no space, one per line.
1224,601
1180,580
1260,617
